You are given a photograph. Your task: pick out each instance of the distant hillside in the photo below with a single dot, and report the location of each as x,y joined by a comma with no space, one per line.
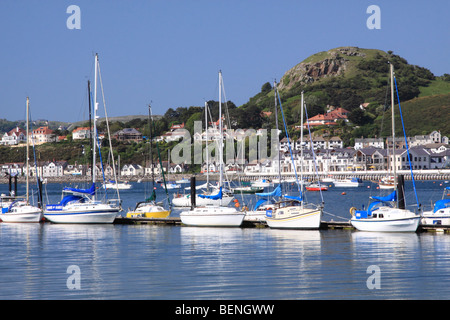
348,77
422,115
123,119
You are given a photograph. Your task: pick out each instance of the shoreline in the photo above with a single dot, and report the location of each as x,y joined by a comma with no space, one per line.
364,175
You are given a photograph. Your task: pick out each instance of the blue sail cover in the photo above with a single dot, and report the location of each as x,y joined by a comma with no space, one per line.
441,204
213,196
260,202
275,193
90,191
294,198
64,201
361,214
391,197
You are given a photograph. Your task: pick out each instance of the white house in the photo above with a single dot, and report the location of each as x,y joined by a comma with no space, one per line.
74,170
175,135
54,169
81,133
42,135
132,170
369,142
14,136
13,169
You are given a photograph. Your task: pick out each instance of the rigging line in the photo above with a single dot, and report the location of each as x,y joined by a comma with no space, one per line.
314,154
331,214
39,186
109,134
406,144
227,115
289,144
384,106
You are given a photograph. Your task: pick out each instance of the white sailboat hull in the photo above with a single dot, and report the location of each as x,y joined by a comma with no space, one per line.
296,218
256,215
394,220
441,217
185,201
386,186
97,213
346,183
23,214
120,186
213,216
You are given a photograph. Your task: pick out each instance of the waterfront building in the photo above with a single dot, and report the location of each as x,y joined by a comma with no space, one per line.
81,133
128,134
14,137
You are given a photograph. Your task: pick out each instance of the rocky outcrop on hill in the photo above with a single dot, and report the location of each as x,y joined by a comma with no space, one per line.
322,65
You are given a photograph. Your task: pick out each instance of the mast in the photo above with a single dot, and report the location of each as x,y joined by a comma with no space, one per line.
220,130
206,137
150,123
94,171
28,146
301,148
90,121
276,124
393,127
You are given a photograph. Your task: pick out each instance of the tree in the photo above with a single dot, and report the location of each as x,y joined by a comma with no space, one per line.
358,117
266,87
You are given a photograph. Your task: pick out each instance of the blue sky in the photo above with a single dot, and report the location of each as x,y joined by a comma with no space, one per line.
170,51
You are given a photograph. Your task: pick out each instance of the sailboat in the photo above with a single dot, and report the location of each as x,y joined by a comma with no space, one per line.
387,182
218,215
440,215
149,208
316,187
348,182
247,188
19,210
293,212
207,198
388,214
266,200
82,205
112,184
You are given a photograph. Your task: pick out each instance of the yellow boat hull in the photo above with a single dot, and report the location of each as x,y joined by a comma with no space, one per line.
158,214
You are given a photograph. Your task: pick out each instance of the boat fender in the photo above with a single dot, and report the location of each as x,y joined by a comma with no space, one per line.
352,211
244,208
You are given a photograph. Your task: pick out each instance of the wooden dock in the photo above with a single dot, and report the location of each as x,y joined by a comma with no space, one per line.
324,225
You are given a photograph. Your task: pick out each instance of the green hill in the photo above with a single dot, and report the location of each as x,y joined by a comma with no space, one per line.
348,77
422,115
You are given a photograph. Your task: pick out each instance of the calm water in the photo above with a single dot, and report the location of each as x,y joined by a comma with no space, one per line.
173,262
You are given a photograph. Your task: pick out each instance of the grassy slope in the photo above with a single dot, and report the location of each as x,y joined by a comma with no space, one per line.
436,87
422,115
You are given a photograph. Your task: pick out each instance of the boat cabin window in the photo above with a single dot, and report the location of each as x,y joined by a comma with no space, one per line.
280,212
375,215
381,215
